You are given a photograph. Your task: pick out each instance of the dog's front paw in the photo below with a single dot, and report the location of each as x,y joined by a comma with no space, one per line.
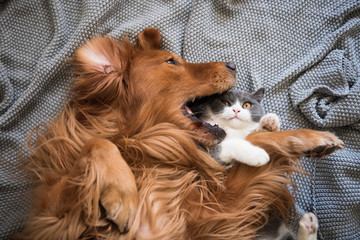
120,206
308,226
269,123
325,144
118,193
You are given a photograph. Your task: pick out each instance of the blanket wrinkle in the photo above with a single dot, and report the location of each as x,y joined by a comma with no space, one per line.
6,91
328,93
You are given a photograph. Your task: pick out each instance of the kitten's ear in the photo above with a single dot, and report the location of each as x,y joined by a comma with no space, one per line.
100,65
150,38
259,94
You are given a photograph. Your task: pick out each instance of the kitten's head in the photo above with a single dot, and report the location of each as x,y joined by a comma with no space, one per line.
237,109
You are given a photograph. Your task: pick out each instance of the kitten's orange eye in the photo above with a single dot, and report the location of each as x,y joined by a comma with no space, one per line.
226,103
247,105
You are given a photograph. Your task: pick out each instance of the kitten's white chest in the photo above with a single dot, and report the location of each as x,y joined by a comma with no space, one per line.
236,133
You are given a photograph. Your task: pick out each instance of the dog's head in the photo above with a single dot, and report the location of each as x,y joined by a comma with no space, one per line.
147,85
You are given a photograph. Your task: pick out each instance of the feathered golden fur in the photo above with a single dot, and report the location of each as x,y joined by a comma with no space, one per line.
122,161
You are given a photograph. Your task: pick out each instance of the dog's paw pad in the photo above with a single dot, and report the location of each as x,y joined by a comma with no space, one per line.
269,123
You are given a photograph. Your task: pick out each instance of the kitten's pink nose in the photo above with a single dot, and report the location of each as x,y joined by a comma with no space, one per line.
236,111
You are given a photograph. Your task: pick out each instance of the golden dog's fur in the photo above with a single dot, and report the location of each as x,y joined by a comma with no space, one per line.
122,161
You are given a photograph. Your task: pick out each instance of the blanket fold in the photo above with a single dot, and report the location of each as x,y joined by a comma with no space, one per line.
328,92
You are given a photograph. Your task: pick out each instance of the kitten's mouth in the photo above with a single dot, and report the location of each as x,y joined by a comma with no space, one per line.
236,117
206,133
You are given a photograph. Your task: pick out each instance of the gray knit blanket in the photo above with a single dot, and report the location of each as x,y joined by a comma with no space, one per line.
305,53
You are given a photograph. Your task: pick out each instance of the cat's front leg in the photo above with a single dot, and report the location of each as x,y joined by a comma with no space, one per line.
242,151
269,123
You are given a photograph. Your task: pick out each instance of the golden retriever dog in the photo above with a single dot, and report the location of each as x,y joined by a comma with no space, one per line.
122,160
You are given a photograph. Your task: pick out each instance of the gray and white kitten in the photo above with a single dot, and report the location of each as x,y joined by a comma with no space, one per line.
239,113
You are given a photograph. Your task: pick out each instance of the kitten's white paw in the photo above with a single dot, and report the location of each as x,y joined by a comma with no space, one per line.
308,226
227,155
256,157
269,123
244,152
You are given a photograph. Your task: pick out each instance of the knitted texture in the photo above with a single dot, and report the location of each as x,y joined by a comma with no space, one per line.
305,53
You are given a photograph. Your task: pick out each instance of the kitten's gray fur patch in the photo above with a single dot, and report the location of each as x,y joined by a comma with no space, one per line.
257,111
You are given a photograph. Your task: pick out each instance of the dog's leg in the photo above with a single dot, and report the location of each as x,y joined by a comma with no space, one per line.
255,193
296,143
70,208
116,183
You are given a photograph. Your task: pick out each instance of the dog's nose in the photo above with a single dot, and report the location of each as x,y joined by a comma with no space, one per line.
231,66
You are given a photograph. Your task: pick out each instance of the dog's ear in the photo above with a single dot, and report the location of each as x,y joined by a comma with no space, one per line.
101,56
100,65
150,38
